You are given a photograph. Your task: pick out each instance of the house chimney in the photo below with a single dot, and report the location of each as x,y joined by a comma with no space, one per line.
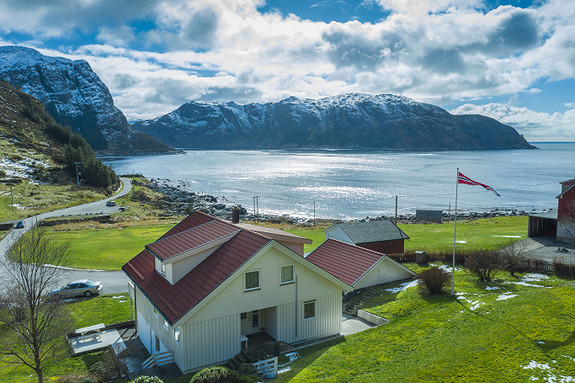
235,214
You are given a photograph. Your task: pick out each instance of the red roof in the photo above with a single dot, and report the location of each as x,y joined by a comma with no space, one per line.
174,301
182,241
344,261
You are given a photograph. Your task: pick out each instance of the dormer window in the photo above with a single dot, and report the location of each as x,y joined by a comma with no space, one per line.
163,269
252,280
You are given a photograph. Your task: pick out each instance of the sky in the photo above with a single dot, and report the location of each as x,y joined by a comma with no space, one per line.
512,60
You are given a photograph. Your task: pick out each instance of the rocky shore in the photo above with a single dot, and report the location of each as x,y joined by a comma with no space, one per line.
178,201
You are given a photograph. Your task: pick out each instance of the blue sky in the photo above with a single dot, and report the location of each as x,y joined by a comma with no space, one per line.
511,60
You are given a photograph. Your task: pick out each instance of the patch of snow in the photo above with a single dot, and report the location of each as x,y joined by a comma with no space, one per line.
506,236
488,288
461,241
118,296
534,277
505,296
540,342
552,376
403,286
533,365
526,284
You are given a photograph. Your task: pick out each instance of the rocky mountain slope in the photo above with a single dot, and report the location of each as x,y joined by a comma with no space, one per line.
74,96
33,146
346,121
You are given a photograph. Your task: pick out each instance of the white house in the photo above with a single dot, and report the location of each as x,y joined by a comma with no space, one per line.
357,266
206,284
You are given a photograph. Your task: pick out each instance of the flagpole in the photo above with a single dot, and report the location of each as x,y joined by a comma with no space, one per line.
454,235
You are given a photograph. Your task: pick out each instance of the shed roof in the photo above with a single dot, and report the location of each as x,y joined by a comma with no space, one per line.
371,231
344,261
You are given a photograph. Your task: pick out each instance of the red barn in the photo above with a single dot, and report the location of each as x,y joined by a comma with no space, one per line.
382,236
566,212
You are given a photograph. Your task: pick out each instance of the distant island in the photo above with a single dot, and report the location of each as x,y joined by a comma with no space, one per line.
348,121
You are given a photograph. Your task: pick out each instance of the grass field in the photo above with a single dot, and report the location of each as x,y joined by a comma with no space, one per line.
30,199
513,331
107,249
489,233
85,312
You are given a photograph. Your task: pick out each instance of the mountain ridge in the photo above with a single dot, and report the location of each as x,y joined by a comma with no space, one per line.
74,95
350,120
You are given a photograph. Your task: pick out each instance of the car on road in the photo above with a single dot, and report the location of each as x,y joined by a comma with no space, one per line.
111,203
19,225
82,287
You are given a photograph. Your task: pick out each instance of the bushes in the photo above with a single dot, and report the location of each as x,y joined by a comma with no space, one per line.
147,379
434,280
484,264
564,270
216,375
512,257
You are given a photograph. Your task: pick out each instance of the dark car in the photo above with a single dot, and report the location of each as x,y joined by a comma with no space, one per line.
83,287
111,203
19,225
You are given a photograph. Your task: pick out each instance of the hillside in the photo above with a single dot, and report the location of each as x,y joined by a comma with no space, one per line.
33,146
75,96
354,120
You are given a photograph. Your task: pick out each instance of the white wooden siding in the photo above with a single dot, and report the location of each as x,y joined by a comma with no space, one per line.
384,271
210,341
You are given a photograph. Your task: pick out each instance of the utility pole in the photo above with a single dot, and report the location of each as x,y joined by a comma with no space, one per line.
314,213
11,196
256,205
78,164
396,197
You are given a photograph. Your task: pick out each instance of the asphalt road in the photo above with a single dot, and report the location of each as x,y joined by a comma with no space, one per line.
114,282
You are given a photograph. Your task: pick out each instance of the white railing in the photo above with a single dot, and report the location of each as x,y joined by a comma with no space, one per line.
158,359
268,368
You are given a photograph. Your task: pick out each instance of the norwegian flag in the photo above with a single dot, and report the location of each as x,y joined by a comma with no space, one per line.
461,179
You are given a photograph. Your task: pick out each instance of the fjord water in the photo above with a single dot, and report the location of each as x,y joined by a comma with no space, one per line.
356,184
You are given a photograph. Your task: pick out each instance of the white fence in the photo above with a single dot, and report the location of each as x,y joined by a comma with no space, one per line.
268,368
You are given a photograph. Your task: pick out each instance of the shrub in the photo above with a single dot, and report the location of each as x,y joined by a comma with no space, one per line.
564,270
513,257
434,280
216,375
484,264
75,378
247,369
147,379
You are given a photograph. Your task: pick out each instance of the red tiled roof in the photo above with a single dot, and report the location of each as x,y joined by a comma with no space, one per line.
173,301
182,241
195,219
344,261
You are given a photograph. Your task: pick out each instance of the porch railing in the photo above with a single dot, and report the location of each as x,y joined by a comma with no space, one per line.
268,368
158,359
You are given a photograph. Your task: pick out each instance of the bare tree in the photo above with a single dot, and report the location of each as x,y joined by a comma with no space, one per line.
483,264
512,256
36,323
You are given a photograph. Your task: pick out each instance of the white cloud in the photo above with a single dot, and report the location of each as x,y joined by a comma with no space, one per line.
535,126
439,51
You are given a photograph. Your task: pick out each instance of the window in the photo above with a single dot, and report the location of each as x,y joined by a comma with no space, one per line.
309,310
243,316
166,324
286,274
163,269
177,334
255,318
252,280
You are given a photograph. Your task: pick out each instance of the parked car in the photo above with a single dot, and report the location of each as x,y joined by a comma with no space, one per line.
111,203
19,225
83,287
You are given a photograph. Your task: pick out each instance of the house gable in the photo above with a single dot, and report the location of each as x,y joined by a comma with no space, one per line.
231,295
366,232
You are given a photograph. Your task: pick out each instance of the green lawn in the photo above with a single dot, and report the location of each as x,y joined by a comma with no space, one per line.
513,333
108,249
33,199
105,309
489,233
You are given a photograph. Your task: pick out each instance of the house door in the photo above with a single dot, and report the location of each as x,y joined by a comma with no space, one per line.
251,322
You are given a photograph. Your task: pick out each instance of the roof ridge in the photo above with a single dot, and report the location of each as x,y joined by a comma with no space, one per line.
181,232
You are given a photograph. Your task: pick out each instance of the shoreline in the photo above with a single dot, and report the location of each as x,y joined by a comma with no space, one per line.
179,201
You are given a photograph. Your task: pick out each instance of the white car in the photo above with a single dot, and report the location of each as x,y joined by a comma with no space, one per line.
82,287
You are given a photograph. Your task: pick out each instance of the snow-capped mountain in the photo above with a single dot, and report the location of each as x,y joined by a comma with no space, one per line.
353,120
75,96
